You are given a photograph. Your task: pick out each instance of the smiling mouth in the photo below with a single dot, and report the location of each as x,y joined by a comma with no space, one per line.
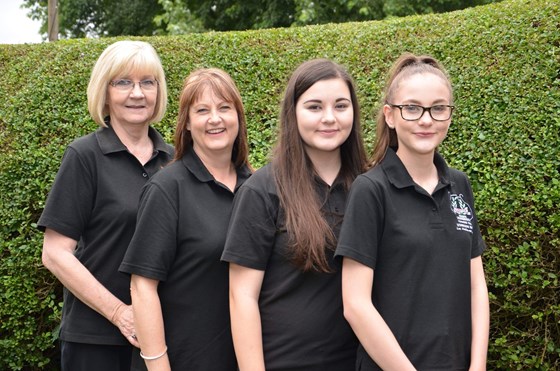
216,131
328,131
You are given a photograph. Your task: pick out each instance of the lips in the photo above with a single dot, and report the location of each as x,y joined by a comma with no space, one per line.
216,131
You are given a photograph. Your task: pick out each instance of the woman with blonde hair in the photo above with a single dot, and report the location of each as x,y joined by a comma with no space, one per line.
90,213
413,283
179,287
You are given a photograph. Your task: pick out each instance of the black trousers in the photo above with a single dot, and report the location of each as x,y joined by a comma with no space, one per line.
94,357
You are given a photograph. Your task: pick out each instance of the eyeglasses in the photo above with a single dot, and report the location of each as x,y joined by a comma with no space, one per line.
128,85
413,112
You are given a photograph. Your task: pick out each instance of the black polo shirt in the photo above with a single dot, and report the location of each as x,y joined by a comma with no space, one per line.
181,230
420,247
303,327
94,200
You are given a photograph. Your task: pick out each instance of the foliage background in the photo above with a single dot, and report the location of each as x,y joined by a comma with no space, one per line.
504,60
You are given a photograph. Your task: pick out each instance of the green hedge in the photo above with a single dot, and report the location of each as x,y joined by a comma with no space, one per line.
505,63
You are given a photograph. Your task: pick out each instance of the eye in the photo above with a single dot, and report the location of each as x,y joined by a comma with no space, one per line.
439,108
122,83
412,108
148,83
201,110
225,107
342,106
313,107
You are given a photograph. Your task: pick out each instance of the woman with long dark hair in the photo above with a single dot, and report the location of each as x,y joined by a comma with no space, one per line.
285,290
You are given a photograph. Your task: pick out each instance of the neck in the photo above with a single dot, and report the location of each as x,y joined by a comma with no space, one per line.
421,169
131,133
327,164
136,140
220,166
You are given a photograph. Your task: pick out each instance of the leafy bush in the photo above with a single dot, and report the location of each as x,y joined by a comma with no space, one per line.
504,60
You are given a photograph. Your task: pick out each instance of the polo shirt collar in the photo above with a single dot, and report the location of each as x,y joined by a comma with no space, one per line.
321,184
195,165
398,175
109,142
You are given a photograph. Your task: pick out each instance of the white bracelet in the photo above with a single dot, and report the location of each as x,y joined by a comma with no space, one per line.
153,357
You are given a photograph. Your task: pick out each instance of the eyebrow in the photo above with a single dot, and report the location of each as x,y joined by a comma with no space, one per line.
414,101
320,101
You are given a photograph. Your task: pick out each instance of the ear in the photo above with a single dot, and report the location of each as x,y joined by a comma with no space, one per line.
387,112
188,125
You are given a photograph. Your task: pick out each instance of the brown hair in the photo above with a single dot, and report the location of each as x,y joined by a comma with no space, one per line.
309,233
223,86
407,65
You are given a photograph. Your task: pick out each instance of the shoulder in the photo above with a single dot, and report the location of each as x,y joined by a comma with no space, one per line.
374,177
171,174
85,143
262,180
459,178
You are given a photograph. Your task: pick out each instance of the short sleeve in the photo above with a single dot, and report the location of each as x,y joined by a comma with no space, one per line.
152,250
71,198
252,229
478,246
362,227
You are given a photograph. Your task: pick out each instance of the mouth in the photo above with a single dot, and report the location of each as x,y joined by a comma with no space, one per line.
135,107
216,131
328,131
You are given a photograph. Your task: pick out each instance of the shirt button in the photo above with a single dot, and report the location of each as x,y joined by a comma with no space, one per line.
144,175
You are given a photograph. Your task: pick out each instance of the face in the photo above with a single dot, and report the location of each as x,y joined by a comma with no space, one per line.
420,137
213,123
325,116
132,106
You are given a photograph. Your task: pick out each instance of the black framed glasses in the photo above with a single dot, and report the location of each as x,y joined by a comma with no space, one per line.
127,85
413,112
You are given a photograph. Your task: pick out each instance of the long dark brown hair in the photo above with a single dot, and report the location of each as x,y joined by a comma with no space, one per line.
309,233
224,87
407,65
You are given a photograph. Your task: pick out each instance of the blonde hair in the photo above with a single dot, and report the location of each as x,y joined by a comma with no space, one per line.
120,59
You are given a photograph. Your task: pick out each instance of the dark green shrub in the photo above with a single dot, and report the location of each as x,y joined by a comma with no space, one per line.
504,60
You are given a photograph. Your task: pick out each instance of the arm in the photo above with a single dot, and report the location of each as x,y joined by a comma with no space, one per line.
58,257
149,321
368,325
244,289
480,315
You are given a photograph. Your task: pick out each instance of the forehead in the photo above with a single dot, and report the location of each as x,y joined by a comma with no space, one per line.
130,69
209,93
422,87
327,89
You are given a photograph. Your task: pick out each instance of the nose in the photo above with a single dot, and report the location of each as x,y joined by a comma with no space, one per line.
328,116
426,118
136,90
214,117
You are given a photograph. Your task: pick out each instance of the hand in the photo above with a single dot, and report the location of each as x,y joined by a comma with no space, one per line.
123,318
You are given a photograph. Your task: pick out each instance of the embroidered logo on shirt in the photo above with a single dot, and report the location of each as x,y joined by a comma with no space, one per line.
463,212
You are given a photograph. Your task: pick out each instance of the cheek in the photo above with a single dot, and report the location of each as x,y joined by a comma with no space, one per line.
347,119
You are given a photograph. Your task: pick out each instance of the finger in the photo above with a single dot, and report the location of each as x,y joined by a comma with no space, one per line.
134,341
